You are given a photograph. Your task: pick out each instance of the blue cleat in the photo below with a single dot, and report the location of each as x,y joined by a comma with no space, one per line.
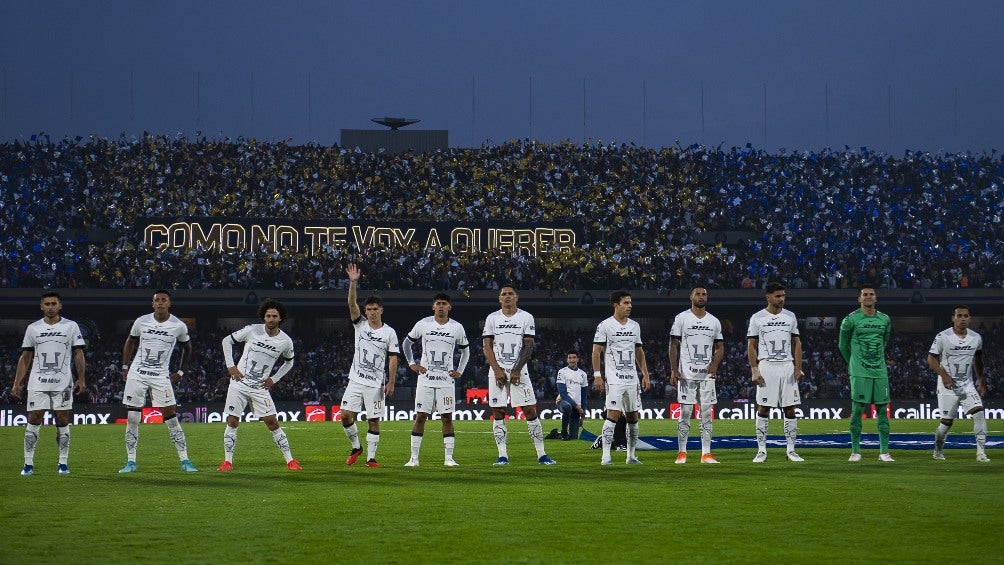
187,467
28,471
501,462
545,460
633,461
63,469
606,462
130,467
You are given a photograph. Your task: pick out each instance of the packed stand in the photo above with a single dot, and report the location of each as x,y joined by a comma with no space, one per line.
817,219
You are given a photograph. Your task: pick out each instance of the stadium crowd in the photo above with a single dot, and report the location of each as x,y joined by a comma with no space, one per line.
653,218
320,373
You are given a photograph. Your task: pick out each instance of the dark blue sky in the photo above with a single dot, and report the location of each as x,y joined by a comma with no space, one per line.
922,74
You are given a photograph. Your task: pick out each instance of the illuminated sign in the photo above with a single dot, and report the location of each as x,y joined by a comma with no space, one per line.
232,235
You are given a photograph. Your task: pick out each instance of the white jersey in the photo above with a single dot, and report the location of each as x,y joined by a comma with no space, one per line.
574,380
52,348
619,364
439,343
774,333
261,353
698,337
373,348
507,333
957,354
156,343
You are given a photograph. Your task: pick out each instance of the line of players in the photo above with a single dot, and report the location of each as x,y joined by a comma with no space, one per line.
696,350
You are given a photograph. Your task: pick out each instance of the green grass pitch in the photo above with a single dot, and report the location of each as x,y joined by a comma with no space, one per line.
823,510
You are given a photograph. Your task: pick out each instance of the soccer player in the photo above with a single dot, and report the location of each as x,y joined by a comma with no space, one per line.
573,390
775,356
153,338
864,335
49,345
618,347
252,378
955,356
696,348
373,365
440,337
508,340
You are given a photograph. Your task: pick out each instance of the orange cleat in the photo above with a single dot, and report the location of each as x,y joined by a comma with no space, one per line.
708,458
225,467
681,458
372,463
294,465
356,452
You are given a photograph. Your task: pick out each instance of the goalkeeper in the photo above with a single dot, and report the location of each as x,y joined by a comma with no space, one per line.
864,335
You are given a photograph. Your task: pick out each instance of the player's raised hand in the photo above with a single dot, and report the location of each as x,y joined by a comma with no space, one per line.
353,272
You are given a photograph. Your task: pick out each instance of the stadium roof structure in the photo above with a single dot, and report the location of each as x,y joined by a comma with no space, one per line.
394,123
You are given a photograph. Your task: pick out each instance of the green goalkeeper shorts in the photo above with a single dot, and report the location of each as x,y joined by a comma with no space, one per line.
870,391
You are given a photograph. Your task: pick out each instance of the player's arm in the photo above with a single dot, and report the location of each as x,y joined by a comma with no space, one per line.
598,349
81,365
524,358
584,395
981,384
934,362
674,360
388,389
563,393
127,351
186,353
796,353
752,346
488,344
844,341
353,272
646,382
465,356
287,366
23,364
716,358
228,357
409,355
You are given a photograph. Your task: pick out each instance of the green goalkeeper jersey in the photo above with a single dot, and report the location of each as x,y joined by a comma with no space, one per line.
863,340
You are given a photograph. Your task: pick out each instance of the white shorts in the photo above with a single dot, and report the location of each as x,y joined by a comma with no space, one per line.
239,396
691,391
50,400
950,399
780,387
624,398
513,395
429,400
136,387
359,396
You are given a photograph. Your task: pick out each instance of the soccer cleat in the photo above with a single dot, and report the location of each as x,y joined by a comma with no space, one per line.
294,465
792,456
28,471
501,462
632,461
63,469
372,464
412,463
130,467
187,467
681,458
450,463
982,458
356,452
708,458
606,462
620,448
854,458
885,458
545,460
938,455
760,457
225,467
